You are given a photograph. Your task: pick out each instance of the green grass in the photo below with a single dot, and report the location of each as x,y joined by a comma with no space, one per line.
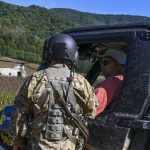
8,90
6,99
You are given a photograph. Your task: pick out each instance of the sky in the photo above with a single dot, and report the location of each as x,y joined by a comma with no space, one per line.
127,7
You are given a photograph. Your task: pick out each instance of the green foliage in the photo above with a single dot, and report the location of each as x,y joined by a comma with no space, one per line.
24,29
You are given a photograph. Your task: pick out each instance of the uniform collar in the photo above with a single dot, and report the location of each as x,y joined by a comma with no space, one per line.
59,66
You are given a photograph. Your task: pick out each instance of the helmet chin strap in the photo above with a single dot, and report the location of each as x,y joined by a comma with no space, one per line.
72,71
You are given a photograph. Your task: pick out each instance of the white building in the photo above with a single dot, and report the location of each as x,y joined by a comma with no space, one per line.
17,71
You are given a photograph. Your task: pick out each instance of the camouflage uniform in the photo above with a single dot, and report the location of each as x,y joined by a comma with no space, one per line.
26,104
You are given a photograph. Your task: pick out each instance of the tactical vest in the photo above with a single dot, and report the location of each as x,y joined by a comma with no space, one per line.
59,83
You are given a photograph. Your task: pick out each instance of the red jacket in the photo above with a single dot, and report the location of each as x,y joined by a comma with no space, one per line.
107,91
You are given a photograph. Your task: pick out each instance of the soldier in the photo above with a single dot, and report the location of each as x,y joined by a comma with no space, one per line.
51,108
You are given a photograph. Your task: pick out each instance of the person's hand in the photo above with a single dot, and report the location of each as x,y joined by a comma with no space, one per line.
88,147
18,147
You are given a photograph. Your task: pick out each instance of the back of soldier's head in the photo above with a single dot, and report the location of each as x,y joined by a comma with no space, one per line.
60,47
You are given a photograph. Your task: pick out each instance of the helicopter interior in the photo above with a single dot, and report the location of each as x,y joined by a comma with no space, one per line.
91,51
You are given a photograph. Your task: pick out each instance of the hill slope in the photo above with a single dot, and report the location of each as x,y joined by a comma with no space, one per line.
87,19
23,29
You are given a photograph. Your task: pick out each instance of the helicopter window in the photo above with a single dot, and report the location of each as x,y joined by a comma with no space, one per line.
93,51
84,66
97,76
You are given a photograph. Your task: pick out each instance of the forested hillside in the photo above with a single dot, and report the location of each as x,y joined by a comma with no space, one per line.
23,29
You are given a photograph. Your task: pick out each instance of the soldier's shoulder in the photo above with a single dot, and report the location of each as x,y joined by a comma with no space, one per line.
39,74
78,78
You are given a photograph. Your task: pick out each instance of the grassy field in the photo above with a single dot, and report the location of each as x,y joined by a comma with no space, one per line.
11,85
9,89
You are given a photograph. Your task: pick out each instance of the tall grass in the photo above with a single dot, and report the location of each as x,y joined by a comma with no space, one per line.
6,99
8,90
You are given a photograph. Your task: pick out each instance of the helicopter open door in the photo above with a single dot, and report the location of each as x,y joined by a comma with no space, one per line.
134,39
132,107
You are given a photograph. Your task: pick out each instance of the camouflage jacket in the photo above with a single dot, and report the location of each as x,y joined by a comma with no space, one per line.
26,101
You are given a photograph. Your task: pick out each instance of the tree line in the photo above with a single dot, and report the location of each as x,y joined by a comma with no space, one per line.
24,29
